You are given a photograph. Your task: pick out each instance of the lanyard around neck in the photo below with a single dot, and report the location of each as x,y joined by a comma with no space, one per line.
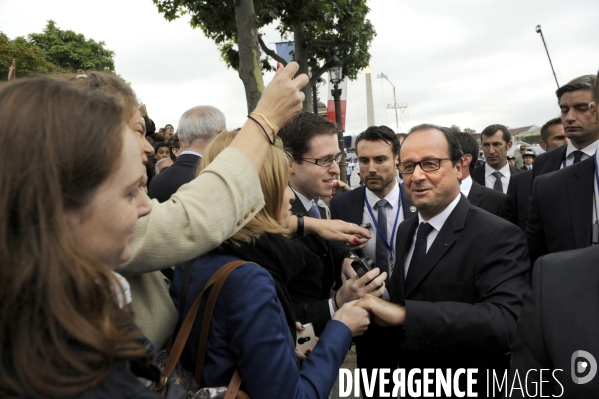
387,244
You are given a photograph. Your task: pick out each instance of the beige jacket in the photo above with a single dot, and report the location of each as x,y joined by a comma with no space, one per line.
196,219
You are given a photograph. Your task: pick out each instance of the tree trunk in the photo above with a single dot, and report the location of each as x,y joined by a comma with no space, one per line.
250,72
301,57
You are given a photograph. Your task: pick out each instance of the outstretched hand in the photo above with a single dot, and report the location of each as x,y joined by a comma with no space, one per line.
354,317
283,99
340,187
383,313
12,70
335,230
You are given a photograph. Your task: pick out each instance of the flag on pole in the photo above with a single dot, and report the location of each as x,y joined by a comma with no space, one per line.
285,50
331,103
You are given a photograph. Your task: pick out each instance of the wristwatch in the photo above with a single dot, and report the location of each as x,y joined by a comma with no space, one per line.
300,225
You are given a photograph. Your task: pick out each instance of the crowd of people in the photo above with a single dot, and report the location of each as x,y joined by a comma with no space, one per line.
111,228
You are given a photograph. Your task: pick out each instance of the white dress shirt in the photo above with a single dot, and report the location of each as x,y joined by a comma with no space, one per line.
437,223
191,152
490,179
393,197
587,152
466,186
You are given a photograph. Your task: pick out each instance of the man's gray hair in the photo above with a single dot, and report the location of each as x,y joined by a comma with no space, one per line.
163,160
200,123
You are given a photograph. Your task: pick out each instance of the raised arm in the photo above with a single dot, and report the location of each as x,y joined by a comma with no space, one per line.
226,195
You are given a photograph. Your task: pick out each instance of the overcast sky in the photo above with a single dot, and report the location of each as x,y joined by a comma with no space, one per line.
465,62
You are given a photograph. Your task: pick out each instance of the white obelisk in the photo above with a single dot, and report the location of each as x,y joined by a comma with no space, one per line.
369,104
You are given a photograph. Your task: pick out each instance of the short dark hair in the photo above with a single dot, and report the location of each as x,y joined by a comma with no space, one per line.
597,88
545,129
159,144
297,134
384,133
455,151
468,145
584,82
492,129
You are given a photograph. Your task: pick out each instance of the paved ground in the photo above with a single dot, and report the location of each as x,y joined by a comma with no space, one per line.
349,363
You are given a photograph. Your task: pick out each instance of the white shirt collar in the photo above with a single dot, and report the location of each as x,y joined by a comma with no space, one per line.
306,202
589,149
504,171
392,197
466,186
191,152
439,220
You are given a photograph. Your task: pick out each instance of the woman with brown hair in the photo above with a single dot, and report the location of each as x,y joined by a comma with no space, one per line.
253,325
70,178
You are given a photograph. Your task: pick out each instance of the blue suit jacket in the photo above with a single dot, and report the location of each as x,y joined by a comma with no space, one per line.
249,331
349,206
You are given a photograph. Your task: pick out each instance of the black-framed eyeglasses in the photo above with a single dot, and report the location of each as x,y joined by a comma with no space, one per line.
325,162
427,165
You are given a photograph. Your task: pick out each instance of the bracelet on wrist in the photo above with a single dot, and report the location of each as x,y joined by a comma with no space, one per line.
272,129
335,300
271,141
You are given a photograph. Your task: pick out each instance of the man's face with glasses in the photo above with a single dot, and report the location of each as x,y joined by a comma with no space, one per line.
579,117
314,176
434,181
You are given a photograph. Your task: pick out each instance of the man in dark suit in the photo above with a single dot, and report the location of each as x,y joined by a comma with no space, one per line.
461,272
557,324
552,136
519,192
312,142
580,125
561,215
564,203
485,198
197,128
382,202
496,172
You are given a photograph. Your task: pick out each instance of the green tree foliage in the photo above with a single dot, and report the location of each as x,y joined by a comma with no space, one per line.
71,51
30,59
455,128
469,130
319,28
53,50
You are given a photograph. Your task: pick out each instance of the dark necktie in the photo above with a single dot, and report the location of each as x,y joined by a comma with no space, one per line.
382,252
314,211
498,186
577,155
419,250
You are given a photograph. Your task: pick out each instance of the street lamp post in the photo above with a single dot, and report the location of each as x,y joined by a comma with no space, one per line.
539,31
336,73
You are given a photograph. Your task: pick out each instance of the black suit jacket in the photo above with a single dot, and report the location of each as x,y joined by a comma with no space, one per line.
549,161
463,301
316,281
560,216
478,174
559,318
349,206
491,201
519,192
167,182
